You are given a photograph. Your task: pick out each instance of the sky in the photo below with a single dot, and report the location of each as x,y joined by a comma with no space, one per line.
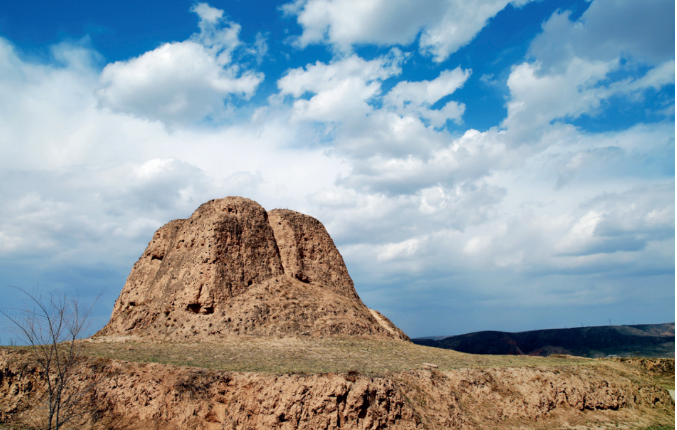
481,165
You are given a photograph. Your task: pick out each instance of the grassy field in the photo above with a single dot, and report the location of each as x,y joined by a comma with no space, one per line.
308,355
323,355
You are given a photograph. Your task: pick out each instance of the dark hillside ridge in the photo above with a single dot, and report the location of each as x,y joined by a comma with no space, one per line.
646,340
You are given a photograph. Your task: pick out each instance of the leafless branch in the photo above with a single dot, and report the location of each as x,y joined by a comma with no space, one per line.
51,326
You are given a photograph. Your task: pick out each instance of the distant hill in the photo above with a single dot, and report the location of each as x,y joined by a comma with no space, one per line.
646,340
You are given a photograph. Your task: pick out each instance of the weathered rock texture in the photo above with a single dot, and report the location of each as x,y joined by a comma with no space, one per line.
308,253
233,268
139,396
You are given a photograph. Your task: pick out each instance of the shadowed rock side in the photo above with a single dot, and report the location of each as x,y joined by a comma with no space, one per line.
221,273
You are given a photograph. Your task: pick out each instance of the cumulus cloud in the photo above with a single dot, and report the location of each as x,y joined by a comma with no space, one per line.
418,97
513,231
569,75
467,158
345,23
392,132
619,28
400,155
182,82
427,92
621,222
90,179
536,99
444,25
209,16
423,213
342,89
80,206
460,23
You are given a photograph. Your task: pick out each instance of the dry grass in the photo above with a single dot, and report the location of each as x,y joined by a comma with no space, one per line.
325,355
310,355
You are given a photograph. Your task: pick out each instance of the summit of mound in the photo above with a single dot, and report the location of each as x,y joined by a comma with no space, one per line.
232,268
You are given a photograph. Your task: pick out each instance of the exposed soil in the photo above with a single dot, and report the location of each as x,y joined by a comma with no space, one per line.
601,394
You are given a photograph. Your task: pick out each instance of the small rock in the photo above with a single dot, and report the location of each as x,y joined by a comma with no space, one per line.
429,366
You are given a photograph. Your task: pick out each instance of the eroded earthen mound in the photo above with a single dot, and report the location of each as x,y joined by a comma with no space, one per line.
232,268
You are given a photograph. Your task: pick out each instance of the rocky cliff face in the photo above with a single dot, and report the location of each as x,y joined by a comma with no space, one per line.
232,268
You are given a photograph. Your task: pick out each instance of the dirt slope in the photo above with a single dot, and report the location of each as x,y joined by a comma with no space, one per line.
151,395
232,268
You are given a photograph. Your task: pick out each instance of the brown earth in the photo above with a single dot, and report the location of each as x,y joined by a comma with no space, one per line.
133,395
308,253
232,268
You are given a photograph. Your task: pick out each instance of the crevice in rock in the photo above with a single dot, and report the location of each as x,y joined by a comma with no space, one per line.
197,308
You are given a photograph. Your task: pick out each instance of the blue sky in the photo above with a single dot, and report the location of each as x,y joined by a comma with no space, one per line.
484,165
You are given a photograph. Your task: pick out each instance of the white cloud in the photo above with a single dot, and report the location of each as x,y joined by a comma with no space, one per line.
318,77
571,67
444,25
342,89
418,97
344,95
432,217
536,99
259,49
611,216
477,245
344,23
610,29
456,161
208,15
392,251
427,92
348,99
92,184
656,78
218,35
182,82
459,24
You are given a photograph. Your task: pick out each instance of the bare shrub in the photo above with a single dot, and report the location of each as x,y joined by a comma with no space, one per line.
51,326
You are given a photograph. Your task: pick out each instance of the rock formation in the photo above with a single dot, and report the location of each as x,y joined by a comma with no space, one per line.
232,268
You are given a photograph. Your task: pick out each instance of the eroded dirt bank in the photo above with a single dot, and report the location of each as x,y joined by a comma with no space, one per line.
150,395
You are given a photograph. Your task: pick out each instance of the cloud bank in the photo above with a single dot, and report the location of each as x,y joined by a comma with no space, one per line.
533,223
